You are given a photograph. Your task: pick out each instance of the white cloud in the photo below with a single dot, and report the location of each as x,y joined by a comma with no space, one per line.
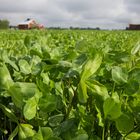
87,13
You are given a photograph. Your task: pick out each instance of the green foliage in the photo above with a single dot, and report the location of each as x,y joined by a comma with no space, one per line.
125,123
69,85
5,78
112,107
25,132
4,24
119,75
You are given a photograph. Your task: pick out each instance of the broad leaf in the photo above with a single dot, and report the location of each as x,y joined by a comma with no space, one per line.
97,88
132,87
30,108
25,131
5,78
55,120
133,136
119,75
27,41
112,107
134,74
48,103
46,132
91,66
81,137
125,123
24,66
6,59
82,92
21,91
135,49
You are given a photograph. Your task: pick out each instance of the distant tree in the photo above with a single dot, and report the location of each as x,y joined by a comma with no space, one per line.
97,28
4,24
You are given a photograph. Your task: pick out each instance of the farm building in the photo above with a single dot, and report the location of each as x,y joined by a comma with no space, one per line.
29,24
133,27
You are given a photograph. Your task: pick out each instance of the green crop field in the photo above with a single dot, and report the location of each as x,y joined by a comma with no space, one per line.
69,85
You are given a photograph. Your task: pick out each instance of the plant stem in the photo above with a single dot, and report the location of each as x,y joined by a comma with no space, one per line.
108,131
10,123
5,121
71,103
103,133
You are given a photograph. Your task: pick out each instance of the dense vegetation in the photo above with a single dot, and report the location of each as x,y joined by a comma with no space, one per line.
4,24
69,85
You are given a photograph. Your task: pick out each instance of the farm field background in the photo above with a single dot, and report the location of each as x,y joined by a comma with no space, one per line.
69,85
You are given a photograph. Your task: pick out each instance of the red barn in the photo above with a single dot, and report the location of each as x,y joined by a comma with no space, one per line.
29,24
134,27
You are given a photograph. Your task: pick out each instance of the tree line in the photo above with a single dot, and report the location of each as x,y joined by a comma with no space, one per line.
4,24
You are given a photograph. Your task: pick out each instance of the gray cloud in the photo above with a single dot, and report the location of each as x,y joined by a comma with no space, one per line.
83,13
133,6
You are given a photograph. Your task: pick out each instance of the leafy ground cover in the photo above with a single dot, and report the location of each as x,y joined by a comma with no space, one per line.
69,85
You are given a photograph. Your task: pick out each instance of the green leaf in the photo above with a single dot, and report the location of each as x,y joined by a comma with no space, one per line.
97,88
94,137
50,61
67,125
66,129
89,69
24,66
46,132
70,55
27,41
73,77
133,136
35,52
99,116
132,87
135,49
5,78
48,103
112,108
91,66
55,120
125,123
9,113
81,46
115,97
64,66
12,63
36,69
6,59
82,92
13,134
54,138
81,137
45,53
134,74
119,56
38,136
21,91
81,59
17,96
30,108
119,75
25,131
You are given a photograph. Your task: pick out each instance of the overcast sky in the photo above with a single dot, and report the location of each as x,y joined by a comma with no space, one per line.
65,13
